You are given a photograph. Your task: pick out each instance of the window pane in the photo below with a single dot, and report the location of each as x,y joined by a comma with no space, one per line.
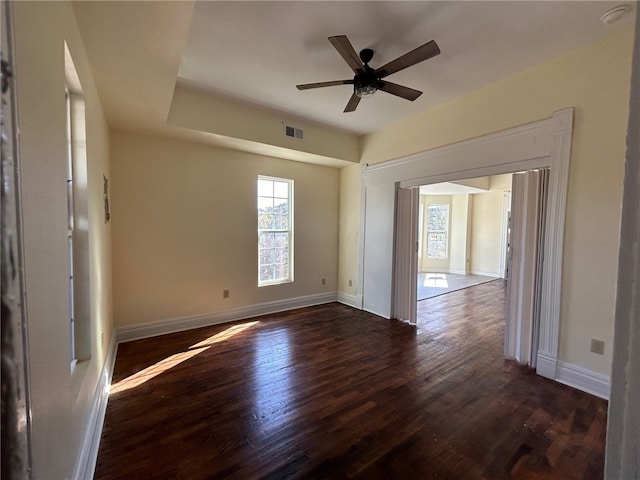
265,221
281,205
282,255
437,217
282,271
437,230
266,239
281,240
281,189
265,188
266,256
437,245
266,273
265,205
281,222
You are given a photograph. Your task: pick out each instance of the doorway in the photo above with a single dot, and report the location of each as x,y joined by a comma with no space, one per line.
461,229
474,231
537,145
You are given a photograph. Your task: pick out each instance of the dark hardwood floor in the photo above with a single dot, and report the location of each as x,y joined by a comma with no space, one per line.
332,392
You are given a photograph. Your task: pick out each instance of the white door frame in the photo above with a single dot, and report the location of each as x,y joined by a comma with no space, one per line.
546,143
504,228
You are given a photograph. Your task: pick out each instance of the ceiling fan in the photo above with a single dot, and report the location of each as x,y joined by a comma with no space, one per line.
368,80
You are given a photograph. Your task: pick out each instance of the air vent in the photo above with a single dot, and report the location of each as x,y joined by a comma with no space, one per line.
293,132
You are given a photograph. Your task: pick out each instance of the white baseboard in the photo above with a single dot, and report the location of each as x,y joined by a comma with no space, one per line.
86,462
354,301
435,270
178,324
584,379
546,365
487,274
458,272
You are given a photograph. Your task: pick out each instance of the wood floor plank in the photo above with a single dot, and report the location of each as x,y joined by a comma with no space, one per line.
332,392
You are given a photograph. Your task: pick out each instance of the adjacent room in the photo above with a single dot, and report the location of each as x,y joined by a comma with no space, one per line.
343,239
462,234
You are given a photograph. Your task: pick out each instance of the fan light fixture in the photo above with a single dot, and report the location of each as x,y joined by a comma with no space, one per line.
365,90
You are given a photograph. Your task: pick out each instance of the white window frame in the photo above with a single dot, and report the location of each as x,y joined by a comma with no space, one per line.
70,229
445,231
288,229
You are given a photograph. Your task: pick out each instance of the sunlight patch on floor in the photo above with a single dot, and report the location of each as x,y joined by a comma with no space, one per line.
225,334
163,365
435,280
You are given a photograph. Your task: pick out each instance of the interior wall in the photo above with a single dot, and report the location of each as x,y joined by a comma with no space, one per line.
60,402
595,80
200,110
185,228
460,250
349,215
486,228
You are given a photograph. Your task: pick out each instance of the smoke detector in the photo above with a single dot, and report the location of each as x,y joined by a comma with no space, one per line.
614,14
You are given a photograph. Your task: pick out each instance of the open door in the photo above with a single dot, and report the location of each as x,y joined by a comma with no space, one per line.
524,264
406,255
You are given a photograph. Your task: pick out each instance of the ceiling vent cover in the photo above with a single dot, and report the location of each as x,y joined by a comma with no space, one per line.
293,132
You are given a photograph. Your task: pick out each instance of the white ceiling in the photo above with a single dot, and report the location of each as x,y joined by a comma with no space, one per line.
257,52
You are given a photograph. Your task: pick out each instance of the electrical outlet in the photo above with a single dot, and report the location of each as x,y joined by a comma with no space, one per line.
225,294
324,281
597,346
350,283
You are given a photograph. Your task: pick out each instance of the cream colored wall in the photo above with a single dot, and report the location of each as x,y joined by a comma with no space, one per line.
60,404
595,80
199,110
460,237
185,228
486,228
427,264
349,215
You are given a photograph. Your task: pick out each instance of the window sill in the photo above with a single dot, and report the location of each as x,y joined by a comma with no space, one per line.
274,282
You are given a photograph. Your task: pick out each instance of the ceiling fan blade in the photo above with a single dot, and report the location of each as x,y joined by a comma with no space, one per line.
399,90
417,55
352,103
307,86
345,49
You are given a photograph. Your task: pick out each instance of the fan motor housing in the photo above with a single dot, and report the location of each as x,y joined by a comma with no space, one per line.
366,78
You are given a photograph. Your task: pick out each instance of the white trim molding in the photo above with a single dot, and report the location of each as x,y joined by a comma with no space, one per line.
178,324
486,274
457,272
561,131
515,147
90,443
354,301
583,379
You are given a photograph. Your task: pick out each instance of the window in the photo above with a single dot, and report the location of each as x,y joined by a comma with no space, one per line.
437,230
79,250
70,227
275,230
